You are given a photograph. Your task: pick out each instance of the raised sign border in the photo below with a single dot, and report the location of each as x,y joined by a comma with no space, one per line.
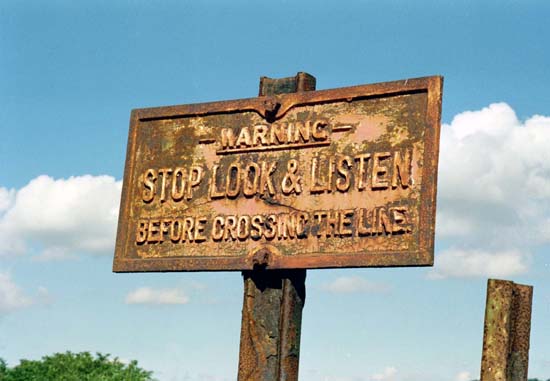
264,106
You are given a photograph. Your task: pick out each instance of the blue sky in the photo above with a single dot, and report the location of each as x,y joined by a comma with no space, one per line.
71,72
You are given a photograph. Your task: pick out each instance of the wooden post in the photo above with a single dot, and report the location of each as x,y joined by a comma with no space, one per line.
273,299
506,332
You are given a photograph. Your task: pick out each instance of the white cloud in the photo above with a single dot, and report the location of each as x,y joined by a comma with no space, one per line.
6,198
11,296
353,284
55,254
147,295
457,263
464,376
387,375
493,191
494,176
60,217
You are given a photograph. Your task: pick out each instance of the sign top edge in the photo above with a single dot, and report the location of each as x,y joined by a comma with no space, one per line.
288,100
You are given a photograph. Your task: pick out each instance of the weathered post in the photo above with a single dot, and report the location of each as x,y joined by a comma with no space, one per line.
273,299
506,332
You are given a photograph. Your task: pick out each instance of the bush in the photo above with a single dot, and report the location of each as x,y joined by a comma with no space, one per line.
74,367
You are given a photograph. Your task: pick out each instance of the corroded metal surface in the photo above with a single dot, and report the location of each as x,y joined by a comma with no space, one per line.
506,331
521,326
331,178
273,299
271,325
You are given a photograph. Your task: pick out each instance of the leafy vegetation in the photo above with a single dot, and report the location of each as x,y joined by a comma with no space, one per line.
70,366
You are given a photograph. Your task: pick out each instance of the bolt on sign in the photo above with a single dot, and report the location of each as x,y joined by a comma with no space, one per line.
333,178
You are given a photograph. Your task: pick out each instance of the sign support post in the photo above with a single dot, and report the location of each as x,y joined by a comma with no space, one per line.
507,331
273,299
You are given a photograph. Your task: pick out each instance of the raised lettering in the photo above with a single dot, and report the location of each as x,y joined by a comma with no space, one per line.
228,138
251,179
230,231
343,167
277,134
195,177
400,221
164,172
330,173
379,171
286,226
270,230
266,182
345,222
319,130
214,192
153,234
315,187
217,228
199,229
141,233
233,181
301,222
301,132
319,216
401,172
365,223
149,178
384,222
187,229
164,228
257,228
259,135
244,138
363,162
176,231
179,183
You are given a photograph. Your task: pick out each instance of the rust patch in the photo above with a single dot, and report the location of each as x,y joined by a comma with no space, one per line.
332,178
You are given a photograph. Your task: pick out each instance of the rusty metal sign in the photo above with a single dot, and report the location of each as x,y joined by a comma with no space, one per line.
332,178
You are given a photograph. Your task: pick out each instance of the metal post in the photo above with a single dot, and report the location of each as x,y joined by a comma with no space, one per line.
506,332
273,299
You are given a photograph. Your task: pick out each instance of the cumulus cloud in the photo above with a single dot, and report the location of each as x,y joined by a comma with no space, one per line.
60,217
148,295
12,298
387,375
459,263
354,284
493,192
6,198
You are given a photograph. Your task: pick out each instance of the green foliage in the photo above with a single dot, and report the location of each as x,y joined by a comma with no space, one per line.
3,369
74,367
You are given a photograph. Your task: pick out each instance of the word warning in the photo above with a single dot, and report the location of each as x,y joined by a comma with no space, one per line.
333,178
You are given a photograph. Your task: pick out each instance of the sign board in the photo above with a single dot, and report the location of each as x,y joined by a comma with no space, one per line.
332,178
